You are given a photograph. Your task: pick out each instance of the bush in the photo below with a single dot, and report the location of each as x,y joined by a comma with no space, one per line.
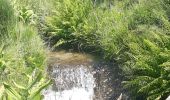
148,62
68,20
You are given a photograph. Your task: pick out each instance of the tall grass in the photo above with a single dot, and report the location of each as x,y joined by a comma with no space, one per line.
22,50
6,16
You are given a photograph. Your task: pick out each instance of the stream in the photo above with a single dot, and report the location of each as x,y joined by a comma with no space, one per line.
78,76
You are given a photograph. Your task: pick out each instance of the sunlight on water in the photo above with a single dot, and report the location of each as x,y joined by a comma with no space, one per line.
74,83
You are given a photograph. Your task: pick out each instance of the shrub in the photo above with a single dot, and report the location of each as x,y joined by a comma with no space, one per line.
148,61
68,20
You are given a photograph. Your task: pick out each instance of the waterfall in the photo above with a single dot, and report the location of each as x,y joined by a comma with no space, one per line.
78,76
71,83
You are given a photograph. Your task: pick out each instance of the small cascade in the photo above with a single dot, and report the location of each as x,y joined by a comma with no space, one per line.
80,76
71,83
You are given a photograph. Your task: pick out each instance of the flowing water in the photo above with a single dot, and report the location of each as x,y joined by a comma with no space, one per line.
79,77
71,84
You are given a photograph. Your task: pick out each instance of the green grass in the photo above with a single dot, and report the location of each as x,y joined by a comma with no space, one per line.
6,17
22,52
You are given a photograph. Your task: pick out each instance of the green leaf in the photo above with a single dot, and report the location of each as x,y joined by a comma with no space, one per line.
11,92
2,90
151,46
165,64
37,79
150,86
37,91
60,42
18,86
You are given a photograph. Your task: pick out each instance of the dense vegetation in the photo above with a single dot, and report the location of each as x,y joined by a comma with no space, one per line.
134,33
22,53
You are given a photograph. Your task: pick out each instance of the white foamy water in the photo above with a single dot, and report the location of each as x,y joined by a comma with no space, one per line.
73,94
74,83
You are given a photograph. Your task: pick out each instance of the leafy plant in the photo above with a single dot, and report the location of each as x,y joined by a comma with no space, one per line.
67,20
147,56
27,16
31,91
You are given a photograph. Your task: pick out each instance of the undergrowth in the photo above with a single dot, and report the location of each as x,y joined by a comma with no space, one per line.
22,53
